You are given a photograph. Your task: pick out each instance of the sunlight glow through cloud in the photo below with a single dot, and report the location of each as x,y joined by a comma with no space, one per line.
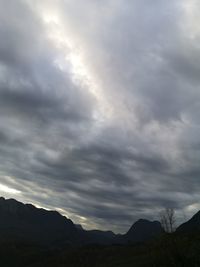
7,189
191,12
74,56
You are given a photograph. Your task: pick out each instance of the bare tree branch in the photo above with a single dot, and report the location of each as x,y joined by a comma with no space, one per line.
167,219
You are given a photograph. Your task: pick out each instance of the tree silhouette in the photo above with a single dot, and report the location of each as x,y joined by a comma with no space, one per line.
167,219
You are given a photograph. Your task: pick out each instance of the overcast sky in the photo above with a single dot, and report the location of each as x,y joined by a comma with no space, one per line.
100,108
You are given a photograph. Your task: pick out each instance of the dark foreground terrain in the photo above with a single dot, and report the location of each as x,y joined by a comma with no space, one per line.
32,237
167,251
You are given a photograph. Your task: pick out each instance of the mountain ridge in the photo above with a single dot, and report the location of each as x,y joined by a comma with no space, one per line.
26,223
192,225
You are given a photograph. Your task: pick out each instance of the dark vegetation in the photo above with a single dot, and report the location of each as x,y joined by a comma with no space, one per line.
166,251
179,248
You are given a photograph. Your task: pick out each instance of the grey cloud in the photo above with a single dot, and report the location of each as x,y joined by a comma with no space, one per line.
61,147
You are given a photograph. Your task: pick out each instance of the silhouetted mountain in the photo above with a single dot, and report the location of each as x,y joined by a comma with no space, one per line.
36,237
26,223
143,230
193,225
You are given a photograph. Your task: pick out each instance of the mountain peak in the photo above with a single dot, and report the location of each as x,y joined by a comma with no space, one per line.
143,230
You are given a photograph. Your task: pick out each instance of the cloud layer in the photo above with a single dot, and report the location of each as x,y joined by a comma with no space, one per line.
100,108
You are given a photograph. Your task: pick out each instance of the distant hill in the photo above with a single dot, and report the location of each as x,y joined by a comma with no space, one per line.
193,225
79,227
98,237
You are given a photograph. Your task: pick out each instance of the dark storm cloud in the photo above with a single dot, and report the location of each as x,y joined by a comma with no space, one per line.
101,122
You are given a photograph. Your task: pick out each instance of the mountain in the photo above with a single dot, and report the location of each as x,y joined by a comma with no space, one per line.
143,230
193,225
36,237
26,223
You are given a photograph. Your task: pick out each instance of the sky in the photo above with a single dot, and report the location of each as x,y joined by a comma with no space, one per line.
100,108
